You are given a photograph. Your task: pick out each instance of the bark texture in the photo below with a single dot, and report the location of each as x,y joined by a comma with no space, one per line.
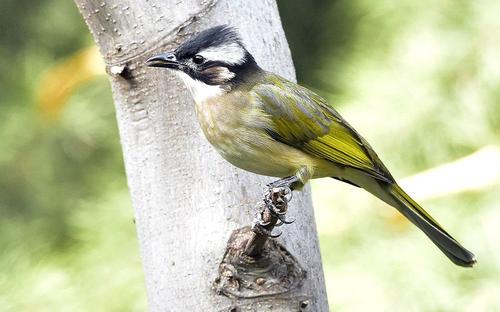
187,199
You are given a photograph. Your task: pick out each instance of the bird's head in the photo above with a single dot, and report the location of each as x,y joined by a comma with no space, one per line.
215,58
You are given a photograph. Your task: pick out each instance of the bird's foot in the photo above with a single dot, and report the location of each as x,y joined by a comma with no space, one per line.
277,196
271,212
276,200
272,209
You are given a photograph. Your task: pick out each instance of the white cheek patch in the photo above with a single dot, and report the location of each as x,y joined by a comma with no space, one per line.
231,53
226,74
200,90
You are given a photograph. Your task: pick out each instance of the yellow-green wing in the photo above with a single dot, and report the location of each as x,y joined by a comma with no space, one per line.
301,118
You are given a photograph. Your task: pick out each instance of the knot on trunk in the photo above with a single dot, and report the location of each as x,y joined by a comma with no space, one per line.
255,264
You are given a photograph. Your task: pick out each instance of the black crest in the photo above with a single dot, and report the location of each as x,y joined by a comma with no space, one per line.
211,37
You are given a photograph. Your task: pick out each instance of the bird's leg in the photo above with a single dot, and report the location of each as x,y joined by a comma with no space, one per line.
291,183
277,196
288,184
271,213
276,201
274,206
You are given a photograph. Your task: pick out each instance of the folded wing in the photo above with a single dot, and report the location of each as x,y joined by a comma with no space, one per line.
301,118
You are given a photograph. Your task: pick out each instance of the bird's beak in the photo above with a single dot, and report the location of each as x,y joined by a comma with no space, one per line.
167,60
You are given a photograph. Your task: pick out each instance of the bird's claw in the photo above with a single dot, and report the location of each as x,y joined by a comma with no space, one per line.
284,221
281,216
276,198
275,235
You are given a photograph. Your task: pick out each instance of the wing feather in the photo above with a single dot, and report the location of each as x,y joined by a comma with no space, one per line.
301,118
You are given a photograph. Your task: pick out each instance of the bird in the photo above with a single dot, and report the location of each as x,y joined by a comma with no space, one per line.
263,123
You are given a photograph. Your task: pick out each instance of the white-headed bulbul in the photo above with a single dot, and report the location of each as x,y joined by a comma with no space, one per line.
263,123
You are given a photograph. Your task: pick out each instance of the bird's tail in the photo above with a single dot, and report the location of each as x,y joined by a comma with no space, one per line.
418,216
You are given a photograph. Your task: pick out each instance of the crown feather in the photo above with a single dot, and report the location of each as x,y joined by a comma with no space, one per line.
212,37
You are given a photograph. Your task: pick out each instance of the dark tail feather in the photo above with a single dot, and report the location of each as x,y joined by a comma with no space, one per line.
418,216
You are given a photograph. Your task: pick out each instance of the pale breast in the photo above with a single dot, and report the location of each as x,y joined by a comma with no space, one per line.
230,126
218,123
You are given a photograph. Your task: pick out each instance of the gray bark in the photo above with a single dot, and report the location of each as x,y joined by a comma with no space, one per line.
187,199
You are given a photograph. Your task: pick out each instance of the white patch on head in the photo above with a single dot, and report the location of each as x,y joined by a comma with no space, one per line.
231,53
200,90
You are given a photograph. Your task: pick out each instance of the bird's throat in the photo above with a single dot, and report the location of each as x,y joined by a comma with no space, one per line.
201,91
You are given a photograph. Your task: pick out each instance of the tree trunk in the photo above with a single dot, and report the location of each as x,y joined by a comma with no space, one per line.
187,199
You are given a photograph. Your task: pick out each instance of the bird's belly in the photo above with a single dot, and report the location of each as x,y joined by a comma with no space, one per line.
238,143
256,159
258,153
253,150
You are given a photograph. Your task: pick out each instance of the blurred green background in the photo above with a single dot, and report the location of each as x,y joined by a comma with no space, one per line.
419,79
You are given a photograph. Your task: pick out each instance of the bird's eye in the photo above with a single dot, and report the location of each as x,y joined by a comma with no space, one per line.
198,59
